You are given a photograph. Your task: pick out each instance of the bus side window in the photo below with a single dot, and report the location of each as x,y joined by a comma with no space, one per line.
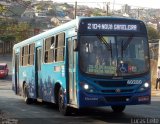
31,54
22,56
59,47
48,51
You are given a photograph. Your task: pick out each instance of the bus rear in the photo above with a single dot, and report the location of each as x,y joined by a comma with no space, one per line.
113,63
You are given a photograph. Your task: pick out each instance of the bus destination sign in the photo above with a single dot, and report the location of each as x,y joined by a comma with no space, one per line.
112,27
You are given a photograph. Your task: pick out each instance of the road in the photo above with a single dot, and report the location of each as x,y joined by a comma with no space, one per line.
15,111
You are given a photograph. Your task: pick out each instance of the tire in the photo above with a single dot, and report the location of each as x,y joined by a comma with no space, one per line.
63,108
118,109
26,95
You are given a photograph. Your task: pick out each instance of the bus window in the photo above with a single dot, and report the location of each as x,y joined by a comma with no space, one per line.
24,56
59,47
101,55
96,54
31,54
48,52
134,53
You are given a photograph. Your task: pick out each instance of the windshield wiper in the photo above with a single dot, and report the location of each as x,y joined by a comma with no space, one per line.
104,42
125,45
109,46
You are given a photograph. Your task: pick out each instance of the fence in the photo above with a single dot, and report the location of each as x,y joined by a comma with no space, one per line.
6,47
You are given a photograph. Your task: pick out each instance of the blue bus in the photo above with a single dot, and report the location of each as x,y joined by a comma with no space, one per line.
87,62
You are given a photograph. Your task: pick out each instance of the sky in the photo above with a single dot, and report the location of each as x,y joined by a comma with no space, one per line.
136,3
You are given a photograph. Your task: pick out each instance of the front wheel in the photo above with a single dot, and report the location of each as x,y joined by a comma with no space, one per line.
118,109
63,108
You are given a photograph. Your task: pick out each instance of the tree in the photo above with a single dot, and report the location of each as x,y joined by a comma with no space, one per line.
2,9
10,27
152,33
39,7
7,38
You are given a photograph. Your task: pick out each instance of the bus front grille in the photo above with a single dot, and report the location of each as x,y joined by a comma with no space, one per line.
118,91
112,84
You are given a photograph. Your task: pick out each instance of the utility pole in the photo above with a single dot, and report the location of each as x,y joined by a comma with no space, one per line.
75,9
107,7
138,13
113,7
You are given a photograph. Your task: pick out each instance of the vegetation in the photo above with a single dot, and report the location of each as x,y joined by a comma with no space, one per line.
2,9
152,33
11,30
6,38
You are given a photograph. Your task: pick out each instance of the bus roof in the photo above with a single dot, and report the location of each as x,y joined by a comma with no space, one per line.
108,17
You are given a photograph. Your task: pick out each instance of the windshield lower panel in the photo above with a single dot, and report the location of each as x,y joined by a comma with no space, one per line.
114,55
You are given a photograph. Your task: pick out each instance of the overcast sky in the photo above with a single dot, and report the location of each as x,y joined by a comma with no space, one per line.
138,3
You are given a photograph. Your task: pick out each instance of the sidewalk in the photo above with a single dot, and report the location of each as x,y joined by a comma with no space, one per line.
155,92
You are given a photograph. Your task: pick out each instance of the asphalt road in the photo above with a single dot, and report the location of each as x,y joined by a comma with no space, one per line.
14,111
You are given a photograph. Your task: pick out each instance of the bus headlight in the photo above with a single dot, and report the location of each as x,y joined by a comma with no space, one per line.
144,87
85,86
146,84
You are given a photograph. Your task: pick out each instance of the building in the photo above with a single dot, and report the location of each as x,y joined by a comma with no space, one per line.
126,9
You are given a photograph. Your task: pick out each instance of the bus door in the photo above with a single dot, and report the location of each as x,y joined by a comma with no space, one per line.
16,73
72,85
38,72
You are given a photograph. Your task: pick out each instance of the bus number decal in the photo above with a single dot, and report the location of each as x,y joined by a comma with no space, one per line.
134,82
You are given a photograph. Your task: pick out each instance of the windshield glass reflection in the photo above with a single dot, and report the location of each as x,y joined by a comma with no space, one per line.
110,55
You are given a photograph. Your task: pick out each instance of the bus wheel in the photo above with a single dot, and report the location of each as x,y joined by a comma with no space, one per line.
63,108
118,109
26,95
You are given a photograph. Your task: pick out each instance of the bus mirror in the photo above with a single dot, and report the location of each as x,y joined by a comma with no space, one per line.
75,46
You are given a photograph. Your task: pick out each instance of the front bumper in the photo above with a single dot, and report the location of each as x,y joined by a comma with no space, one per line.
91,100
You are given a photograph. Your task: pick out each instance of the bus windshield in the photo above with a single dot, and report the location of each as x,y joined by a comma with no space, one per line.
113,55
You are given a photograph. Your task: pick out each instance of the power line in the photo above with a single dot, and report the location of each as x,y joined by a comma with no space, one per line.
110,3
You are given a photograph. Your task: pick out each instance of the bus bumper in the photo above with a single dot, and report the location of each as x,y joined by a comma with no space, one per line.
91,100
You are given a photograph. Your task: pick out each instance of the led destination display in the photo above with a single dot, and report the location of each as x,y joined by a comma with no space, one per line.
112,27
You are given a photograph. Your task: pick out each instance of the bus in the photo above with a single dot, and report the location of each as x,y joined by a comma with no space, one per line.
87,62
